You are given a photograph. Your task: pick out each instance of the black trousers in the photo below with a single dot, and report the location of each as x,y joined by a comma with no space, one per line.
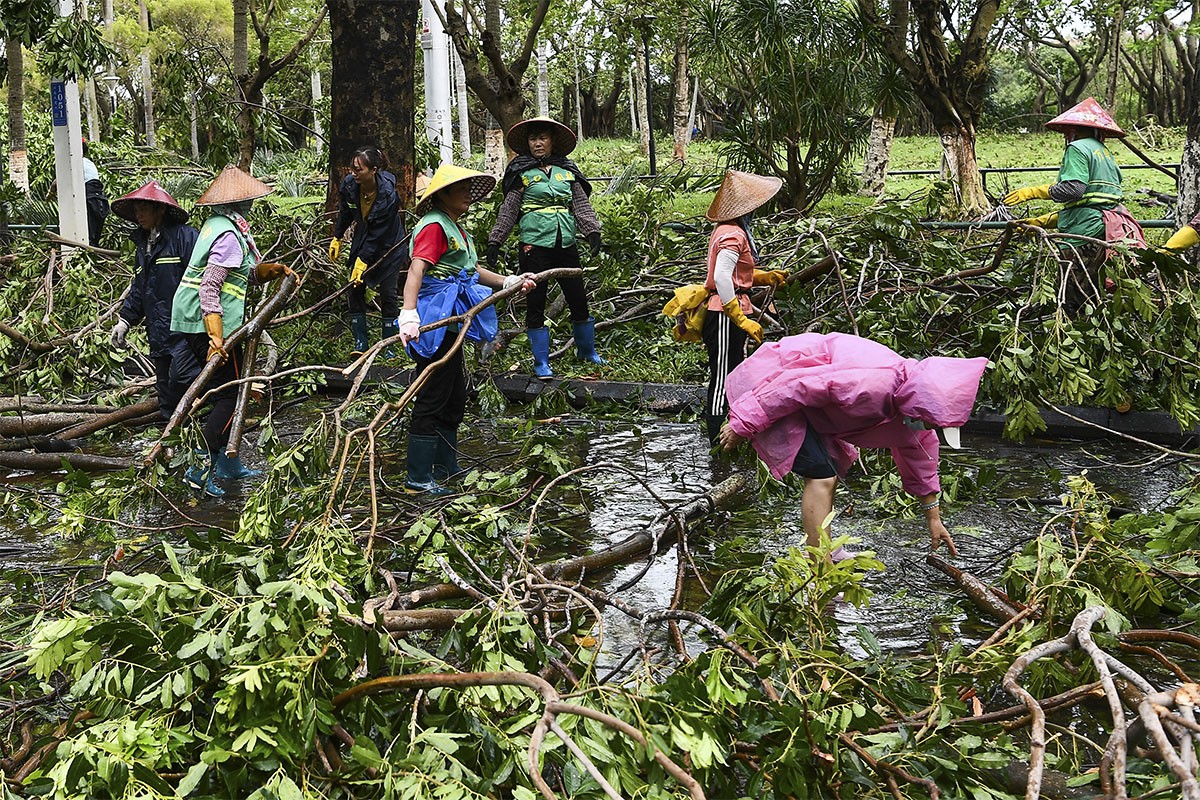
189,352
726,345
388,287
533,258
442,401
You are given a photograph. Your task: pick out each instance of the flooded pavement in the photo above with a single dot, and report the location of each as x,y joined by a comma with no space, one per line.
639,467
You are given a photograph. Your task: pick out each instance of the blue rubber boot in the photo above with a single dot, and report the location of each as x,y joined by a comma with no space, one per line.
539,343
585,341
232,468
201,478
390,329
421,451
358,326
445,455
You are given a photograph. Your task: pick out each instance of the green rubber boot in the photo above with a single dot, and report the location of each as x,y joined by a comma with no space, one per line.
421,451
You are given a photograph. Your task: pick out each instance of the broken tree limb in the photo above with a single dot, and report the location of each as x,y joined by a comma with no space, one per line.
37,424
552,707
980,593
48,462
237,424
252,327
631,547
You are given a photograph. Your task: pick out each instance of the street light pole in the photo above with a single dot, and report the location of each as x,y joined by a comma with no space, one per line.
644,23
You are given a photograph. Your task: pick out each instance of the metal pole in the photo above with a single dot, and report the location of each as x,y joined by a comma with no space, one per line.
68,151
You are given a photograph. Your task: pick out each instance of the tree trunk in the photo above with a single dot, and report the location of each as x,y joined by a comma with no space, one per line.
1114,59
680,106
241,38
958,152
464,113
1189,163
495,153
378,111
147,80
639,85
18,159
879,153
194,127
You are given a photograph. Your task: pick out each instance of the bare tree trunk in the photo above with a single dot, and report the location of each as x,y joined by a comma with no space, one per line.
1189,164
194,127
1114,59
241,40
147,81
495,154
639,83
958,151
633,102
378,111
879,153
578,96
18,159
680,111
464,113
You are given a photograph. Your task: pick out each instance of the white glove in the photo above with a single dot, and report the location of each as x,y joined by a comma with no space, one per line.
524,278
119,332
409,323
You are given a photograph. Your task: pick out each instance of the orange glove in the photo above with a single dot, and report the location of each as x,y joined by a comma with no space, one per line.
774,277
214,324
270,270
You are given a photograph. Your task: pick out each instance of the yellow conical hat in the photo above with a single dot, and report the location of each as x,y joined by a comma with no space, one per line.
741,193
233,186
449,174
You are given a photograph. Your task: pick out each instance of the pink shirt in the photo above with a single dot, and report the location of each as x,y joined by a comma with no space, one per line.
728,236
855,393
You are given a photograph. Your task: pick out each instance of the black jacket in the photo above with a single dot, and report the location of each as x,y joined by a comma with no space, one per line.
159,270
378,240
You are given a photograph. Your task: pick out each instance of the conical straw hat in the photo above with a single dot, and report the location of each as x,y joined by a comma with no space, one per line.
741,193
518,135
450,174
149,192
1088,114
233,186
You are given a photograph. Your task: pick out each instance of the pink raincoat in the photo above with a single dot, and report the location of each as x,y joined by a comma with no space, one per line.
855,393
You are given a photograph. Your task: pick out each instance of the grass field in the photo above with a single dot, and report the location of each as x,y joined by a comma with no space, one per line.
607,157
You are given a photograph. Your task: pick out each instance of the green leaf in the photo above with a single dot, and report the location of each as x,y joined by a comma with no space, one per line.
191,780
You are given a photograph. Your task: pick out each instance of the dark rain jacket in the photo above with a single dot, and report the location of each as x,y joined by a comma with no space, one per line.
377,241
159,270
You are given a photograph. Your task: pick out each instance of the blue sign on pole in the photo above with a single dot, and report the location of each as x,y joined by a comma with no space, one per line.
58,103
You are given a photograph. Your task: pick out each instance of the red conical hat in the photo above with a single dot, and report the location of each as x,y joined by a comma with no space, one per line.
150,192
1088,114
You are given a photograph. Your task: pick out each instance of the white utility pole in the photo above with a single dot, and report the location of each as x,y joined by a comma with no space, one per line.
543,79
464,114
68,151
437,82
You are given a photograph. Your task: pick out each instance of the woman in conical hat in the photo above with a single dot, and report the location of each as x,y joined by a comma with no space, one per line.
162,246
546,200
732,256
444,280
211,302
1088,187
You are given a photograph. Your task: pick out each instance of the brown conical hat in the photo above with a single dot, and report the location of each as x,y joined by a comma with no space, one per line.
450,174
1088,114
518,135
149,192
740,193
233,186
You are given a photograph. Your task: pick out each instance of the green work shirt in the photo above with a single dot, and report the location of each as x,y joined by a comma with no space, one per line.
1089,161
186,315
460,250
546,219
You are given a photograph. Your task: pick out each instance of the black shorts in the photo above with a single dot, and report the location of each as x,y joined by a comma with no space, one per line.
535,258
813,459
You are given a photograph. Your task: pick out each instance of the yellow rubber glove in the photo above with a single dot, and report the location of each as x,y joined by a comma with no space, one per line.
1027,193
775,277
356,274
214,324
1182,239
1045,221
335,249
752,328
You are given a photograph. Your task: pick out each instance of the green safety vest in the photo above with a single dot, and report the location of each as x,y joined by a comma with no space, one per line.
460,250
1103,179
186,316
546,219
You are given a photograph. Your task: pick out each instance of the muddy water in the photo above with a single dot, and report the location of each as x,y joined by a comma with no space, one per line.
640,466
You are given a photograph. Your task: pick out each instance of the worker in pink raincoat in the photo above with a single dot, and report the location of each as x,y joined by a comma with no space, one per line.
808,402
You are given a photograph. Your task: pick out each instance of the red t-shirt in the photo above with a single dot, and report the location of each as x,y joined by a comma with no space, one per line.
431,244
